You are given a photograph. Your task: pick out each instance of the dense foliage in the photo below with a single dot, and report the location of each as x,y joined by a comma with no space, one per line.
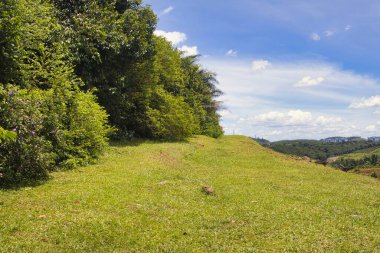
57,125
319,150
347,164
62,62
147,87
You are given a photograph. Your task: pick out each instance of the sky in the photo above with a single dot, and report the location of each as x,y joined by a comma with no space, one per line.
289,69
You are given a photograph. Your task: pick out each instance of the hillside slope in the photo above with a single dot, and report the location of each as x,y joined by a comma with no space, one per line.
147,197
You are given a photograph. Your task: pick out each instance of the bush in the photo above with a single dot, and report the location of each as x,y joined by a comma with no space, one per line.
29,156
55,129
170,118
81,135
374,175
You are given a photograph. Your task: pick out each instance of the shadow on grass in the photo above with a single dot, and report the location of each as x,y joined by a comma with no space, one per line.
128,143
14,186
17,185
138,142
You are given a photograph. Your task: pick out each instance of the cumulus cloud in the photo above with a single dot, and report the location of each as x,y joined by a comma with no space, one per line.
174,37
373,101
371,128
231,53
315,36
328,33
248,96
260,65
295,117
167,11
188,51
323,120
296,124
308,81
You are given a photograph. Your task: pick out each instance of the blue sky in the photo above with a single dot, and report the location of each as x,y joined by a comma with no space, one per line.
289,69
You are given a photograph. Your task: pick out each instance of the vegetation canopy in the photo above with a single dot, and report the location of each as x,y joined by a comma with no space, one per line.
73,72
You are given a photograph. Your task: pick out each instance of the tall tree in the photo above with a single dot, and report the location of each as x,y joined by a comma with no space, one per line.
57,125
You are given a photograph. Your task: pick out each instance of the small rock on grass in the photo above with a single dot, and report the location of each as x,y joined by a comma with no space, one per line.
208,190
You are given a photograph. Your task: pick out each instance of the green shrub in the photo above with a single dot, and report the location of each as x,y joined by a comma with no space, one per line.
213,129
29,156
170,118
55,129
80,134
374,175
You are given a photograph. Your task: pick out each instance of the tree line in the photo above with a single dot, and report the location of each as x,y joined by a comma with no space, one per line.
319,150
347,164
74,73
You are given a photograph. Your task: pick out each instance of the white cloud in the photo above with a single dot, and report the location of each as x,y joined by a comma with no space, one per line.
328,33
174,37
347,28
260,65
177,38
167,11
323,120
371,128
292,117
299,117
232,53
189,51
295,123
270,116
248,96
315,36
308,81
366,103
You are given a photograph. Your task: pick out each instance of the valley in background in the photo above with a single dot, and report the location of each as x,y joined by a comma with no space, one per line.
350,154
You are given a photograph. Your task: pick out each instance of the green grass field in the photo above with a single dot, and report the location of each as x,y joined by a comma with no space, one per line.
146,197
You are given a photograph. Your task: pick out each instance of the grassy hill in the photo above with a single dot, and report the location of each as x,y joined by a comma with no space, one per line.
146,197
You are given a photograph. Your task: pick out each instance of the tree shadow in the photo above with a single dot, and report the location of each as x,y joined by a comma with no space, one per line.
17,185
25,183
128,142
138,142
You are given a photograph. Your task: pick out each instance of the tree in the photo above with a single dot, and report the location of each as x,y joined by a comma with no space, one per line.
200,93
111,43
114,50
40,97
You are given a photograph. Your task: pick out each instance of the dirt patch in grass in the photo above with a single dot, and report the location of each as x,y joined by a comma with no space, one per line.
369,172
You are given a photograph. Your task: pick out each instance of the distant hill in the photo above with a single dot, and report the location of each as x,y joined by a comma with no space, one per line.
262,141
342,139
322,149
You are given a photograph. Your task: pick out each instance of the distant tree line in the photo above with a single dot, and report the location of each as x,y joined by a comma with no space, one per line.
75,72
318,150
347,164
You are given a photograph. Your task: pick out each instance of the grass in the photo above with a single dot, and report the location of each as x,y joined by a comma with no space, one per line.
148,198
